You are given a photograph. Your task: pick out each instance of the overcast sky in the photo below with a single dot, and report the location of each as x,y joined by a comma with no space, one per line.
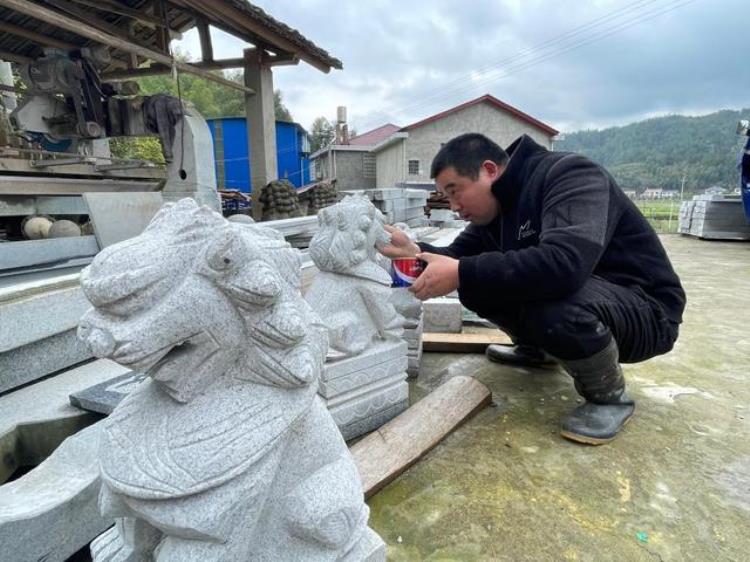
572,64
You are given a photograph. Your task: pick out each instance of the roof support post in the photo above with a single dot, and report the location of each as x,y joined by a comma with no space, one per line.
261,124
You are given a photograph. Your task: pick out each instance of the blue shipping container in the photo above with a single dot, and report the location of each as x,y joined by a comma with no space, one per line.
232,155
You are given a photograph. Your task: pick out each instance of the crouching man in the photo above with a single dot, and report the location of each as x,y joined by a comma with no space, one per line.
558,257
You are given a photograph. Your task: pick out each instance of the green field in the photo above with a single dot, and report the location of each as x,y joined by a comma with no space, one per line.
658,213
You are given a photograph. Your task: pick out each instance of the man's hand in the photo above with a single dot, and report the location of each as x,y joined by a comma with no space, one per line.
400,247
439,278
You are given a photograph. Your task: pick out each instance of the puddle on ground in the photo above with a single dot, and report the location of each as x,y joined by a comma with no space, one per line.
735,482
667,393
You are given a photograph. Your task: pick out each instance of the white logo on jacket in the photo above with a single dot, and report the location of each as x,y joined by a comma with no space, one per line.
525,230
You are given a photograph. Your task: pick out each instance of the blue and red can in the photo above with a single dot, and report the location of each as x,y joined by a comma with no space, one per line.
404,271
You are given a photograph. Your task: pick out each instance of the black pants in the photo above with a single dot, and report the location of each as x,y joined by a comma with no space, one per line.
582,324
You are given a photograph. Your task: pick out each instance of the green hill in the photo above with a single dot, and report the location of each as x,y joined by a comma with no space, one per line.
658,152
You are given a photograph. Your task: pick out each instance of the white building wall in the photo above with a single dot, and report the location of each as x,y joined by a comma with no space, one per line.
424,142
390,165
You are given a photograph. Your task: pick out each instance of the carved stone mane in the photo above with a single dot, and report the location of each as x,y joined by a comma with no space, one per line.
348,234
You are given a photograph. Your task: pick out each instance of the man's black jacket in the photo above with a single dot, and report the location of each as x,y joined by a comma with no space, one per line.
562,220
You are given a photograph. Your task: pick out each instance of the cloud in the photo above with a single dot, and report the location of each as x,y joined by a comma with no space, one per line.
621,60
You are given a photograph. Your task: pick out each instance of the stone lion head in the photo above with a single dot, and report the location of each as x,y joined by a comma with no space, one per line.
347,235
195,297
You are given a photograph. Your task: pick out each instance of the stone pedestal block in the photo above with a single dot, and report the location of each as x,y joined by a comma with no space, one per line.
443,315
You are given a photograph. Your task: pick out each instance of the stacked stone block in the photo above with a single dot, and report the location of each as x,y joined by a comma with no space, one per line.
401,205
445,218
714,217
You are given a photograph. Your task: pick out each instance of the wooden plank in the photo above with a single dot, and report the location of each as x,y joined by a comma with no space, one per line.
122,10
386,453
160,69
13,57
19,31
88,31
462,343
222,64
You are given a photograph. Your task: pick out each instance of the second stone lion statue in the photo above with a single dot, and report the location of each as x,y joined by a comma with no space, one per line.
225,452
352,292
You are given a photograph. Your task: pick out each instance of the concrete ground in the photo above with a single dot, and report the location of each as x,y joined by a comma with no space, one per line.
674,486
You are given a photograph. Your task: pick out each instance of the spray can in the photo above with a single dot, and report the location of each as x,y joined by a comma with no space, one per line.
404,271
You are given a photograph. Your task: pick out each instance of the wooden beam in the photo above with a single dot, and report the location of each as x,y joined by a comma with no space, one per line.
85,17
389,451
204,32
225,11
19,31
462,343
13,57
120,9
158,69
282,60
62,21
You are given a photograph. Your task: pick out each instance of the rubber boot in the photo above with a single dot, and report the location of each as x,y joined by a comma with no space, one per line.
518,354
607,408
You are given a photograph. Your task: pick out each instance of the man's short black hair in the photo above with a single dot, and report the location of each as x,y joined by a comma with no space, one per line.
465,153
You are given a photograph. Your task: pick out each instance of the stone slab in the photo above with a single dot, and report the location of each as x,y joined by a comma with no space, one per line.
417,193
373,422
361,407
40,315
442,215
384,194
52,512
418,222
48,399
28,253
358,379
379,353
370,390
38,359
443,315
400,204
404,215
120,216
104,397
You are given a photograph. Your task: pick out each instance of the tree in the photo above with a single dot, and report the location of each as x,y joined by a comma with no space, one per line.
210,98
322,133
282,113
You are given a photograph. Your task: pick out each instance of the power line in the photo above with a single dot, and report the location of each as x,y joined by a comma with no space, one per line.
554,40
517,63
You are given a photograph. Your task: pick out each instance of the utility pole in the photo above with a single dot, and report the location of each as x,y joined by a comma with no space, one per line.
671,203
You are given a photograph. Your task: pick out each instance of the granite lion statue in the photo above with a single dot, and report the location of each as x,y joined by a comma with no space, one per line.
352,291
224,452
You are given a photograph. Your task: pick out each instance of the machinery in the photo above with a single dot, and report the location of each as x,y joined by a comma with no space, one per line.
56,165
